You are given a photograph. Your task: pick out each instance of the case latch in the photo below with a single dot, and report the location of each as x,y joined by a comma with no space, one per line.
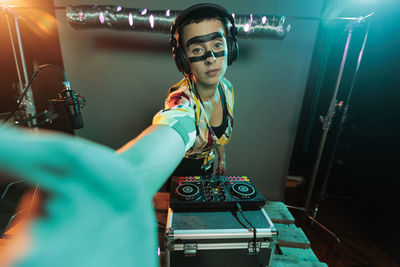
254,251
190,249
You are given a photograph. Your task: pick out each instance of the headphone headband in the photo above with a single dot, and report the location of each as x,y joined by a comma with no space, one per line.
204,6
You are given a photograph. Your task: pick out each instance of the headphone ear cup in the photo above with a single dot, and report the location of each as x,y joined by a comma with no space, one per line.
181,62
233,49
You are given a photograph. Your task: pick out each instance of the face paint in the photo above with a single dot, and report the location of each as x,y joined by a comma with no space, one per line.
204,38
208,54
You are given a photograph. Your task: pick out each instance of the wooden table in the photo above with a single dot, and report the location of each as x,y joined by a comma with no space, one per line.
292,249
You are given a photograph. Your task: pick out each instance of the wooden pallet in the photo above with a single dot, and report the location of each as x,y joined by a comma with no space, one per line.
293,247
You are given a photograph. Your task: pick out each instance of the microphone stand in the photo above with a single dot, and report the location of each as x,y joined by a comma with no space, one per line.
29,103
48,117
30,109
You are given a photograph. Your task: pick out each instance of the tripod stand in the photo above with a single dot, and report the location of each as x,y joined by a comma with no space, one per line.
340,130
326,124
327,120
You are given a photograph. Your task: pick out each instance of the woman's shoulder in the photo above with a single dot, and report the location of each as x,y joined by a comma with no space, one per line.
178,94
180,87
228,89
227,84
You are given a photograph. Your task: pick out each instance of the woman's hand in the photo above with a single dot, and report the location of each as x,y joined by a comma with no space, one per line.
221,170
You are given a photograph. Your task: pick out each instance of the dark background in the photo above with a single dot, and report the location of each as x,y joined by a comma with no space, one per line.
364,180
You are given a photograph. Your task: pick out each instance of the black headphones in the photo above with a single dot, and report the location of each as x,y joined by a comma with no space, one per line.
178,52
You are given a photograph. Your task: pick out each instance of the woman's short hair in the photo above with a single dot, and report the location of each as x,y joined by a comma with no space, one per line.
198,16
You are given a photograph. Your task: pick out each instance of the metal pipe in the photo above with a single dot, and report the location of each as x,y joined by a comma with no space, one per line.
250,26
20,85
30,104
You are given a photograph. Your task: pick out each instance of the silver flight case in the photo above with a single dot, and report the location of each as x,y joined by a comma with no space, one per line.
221,238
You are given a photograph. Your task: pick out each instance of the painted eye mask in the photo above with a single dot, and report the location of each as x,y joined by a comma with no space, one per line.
203,39
208,54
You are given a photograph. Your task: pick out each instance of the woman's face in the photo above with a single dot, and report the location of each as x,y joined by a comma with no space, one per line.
206,50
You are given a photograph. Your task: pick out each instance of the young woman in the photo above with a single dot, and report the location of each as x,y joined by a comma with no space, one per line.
203,45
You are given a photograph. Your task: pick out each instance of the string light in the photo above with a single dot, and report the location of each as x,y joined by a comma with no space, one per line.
101,17
151,20
130,18
264,19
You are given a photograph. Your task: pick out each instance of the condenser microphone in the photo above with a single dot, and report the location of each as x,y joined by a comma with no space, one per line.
72,106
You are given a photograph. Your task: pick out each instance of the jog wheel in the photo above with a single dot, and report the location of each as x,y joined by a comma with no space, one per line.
243,191
187,192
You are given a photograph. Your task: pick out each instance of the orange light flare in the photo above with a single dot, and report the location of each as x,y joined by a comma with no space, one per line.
18,240
39,21
13,3
34,17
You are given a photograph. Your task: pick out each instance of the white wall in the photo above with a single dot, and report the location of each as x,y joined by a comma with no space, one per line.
125,85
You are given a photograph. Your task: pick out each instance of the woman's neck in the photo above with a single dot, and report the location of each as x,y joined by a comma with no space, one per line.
207,92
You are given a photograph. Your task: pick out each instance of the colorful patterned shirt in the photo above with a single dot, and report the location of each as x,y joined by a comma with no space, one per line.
184,106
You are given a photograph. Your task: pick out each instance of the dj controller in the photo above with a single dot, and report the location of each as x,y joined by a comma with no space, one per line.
213,192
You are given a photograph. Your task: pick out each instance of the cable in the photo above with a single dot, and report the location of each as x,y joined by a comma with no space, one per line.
40,68
253,228
327,230
333,234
